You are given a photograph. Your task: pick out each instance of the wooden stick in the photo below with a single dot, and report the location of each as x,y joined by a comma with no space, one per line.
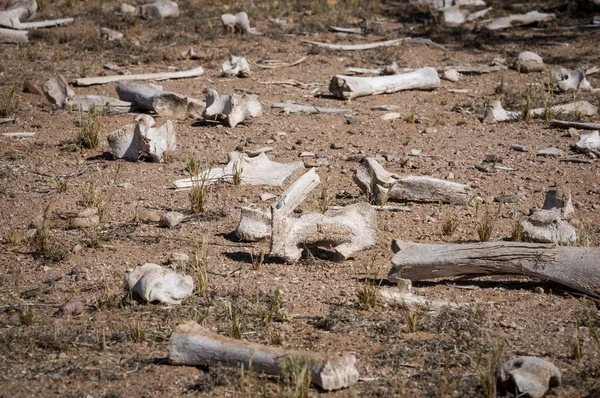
578,125
576,267
282,65
292,108
89,81
193,345
13,36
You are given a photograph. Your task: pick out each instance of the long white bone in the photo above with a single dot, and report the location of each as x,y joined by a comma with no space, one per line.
495,113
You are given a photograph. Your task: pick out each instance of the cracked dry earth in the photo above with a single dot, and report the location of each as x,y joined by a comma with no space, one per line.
118,347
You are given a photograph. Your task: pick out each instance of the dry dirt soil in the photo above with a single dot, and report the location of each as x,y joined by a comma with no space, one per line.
118,346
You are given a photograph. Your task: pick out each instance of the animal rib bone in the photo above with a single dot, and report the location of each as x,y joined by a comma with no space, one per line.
495,113
90,81
232,108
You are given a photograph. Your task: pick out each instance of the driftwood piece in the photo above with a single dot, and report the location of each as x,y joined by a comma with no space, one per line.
13,36
259,170
578,125
132,141
345,232
153,98
278,65
380,185
348,87
233,109
495,113
193,345
575,267
293,108
90,81
107,104
235,67
155,283
520,20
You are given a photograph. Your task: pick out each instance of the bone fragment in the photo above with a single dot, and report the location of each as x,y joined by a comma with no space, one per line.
368,46
194,345
293,108
403,295
12,16
451,75
495,113
345,232
478,14
130,142
455,16
527,377
235,67
576,267
259,170
58,92
529,61
156,9
13,36
108,104
578,125
571,80
293,83
548,224
110,35
375,182
391,69
358,31
520,20
155,283
232,108
190,54
589,143
18,135
280,64
348,87
43,24
89,81
238,23
254,225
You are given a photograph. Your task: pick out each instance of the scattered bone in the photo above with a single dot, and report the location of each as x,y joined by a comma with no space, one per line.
89,81
520,20
153,98
576,267
17,135
190,54
385,107
578,125
72,307
110,35
478,14
85,219
549,152
155,283
548,225
495,113
403,295
131,141
293,108
368,46
528,62
375,182
293,83
259,170
345,232
254,225
232,108
267,196
379,208
518,148
113,67
475,69
571,80
193,345
157,9
275,65
391,116
170,219
13,16
348,87
13,36
527,377
455,16
358,31
58,92
391,69
451,75
108,104
589,143
6,120
235,67
238,23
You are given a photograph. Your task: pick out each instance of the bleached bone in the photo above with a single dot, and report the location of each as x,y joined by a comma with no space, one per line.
158,8
107,104
403,295
357,47
254,225
13,36
233,108
345,232
110,35
259,170
374,181
276,65
520,20
90,81
358,31
578,125
528,61
391,69
576,267
548,224
43,24
190,54
571,80
153,98
348,87
12,16
235,67
155,283
131,141
589,143
455,16
293,83
451,75
495,113
478,14
238,23
527,377
193,345
292,108
58,92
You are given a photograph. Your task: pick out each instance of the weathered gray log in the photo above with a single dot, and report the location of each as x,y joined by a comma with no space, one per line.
193,345
578,125
575,267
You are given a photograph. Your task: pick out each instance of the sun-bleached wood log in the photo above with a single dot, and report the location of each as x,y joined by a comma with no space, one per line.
578,125
344,232
575,267
348,87
519,20
496,113
258,170
11,36
571,80
233,109
238,23
293,108
193,345
154,283
378,184
90,81
132,141
235,67
107,104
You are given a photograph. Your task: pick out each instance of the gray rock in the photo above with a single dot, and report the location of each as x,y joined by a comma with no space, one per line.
527,376
170,219
529,61
86,218
550,152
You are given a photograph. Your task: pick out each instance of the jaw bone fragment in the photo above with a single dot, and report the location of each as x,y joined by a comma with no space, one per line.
520,20
131,141
238,23
158,8
375,182
259,170
348,87
347,231
571,80
235,67
58,92
548,224
193,345
233,108
496,113
155,283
